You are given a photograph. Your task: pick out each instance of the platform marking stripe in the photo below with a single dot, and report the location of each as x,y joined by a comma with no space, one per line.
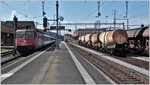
136,68
10,73
141,59
87,78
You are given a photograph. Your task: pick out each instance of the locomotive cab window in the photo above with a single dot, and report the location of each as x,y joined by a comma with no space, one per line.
30,35
19,34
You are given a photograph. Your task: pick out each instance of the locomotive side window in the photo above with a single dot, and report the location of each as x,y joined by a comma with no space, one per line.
30,35
19,34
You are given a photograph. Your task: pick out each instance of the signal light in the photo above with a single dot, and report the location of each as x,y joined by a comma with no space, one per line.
69,30
44,22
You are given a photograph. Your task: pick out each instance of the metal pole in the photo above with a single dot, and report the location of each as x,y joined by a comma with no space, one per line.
126,9
127,23
123,26
57,44
114,19
15,27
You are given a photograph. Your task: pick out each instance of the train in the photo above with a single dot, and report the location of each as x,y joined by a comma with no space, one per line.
111,41
28,40
119,41
138,41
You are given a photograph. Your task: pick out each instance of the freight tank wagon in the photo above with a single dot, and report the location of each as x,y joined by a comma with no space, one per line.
111,41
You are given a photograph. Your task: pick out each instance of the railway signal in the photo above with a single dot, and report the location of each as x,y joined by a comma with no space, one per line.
44,22
69,30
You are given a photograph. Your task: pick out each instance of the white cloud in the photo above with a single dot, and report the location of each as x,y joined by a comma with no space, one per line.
12,14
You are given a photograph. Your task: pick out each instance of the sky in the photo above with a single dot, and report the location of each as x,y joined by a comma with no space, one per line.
77,11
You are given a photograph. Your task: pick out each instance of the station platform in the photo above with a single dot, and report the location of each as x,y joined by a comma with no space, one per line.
55,66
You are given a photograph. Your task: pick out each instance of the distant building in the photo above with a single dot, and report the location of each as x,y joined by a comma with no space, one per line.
82,31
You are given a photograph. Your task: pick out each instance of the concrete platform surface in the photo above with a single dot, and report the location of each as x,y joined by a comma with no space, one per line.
54,66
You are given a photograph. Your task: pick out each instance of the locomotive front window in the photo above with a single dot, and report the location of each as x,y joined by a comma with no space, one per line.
19,34
30,35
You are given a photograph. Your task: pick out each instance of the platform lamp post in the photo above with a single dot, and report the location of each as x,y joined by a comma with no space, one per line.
15,22
57,5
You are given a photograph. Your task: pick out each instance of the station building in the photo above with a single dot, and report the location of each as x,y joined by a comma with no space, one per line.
7,31
7,34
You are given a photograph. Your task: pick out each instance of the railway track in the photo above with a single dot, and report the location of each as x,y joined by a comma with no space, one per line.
6,53
118,73
8,58
136,62
133,61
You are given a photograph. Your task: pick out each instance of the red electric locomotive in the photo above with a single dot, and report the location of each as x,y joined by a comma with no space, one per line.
28,40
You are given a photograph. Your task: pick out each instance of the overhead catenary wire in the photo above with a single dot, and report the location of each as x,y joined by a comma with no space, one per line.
135,7
21,13
83,7
13,8
92,12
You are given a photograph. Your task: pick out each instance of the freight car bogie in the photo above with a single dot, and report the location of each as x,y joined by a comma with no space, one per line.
120,50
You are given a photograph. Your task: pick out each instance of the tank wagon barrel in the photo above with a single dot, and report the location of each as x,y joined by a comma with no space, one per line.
118,36
82,38
102,37
79,38
94,38
87,37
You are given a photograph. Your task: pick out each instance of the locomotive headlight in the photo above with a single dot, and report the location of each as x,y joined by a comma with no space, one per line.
24,41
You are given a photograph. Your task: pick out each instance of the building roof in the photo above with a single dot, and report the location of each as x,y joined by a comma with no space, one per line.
82,31
21,24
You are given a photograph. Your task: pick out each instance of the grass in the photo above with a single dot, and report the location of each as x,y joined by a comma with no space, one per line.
5,50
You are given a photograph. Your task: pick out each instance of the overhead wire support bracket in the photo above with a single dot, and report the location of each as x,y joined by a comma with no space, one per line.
43,13
98,4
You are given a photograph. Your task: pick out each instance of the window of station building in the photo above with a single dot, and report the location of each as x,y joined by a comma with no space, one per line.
30,35
19,34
